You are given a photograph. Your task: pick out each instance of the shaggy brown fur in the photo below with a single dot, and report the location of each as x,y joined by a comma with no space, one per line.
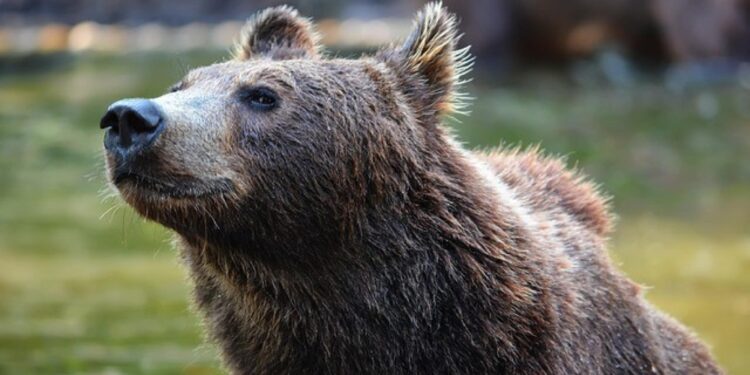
332,226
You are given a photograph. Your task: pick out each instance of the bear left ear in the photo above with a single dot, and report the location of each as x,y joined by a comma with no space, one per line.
430,59
278,33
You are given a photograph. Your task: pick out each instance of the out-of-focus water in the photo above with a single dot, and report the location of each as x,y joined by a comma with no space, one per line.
88,287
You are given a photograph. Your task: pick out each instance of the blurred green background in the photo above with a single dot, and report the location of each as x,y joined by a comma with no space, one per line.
87,287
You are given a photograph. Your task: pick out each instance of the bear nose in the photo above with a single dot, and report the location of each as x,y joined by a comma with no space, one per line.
133,124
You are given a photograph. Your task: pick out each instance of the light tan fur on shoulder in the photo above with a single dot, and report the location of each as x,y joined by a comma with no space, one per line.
546,182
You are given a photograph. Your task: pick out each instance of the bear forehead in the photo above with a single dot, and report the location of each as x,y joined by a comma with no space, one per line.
288,73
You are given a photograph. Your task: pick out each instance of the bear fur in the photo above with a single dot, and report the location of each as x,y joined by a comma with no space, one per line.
332,225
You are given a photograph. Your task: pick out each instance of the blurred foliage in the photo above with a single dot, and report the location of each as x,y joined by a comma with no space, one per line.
88,287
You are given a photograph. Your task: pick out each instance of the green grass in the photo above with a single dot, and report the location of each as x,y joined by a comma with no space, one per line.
698,276
86,287
75,314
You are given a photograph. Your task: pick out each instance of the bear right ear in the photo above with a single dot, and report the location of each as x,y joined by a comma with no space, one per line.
430,59
278,33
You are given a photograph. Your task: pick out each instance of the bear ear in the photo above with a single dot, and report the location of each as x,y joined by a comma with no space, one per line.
430,56
278,33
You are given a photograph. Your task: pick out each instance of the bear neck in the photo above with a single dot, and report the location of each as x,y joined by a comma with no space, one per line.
448,245
450,211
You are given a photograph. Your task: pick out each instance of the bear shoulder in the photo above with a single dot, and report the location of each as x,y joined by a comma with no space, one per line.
544,182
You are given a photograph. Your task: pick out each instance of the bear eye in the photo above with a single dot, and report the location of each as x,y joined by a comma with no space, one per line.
176,87
259,98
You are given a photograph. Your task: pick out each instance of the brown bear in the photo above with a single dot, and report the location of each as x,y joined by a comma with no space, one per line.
332,225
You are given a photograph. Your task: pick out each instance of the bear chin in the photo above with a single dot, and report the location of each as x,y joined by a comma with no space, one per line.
176,203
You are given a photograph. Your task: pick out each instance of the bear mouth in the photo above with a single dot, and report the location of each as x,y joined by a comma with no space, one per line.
171,187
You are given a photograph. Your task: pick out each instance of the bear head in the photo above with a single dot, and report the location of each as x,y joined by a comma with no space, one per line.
280,140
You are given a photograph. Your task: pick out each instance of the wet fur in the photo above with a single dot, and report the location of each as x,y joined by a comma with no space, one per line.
360,237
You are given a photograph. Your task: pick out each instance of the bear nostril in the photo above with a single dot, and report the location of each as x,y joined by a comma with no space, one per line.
109,120
139,122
